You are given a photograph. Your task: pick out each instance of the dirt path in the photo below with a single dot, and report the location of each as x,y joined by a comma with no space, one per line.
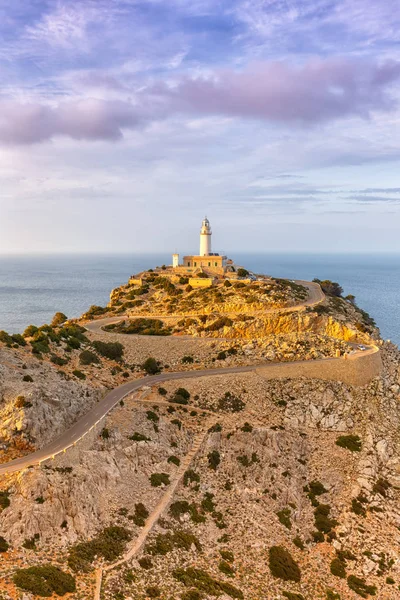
157,512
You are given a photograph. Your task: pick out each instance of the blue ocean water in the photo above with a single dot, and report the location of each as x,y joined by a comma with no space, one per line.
33,288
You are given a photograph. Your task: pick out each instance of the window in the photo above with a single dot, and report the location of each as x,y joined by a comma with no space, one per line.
195,264
209,264
188,263
215,264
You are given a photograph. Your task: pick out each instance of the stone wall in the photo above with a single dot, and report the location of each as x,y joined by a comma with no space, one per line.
357,370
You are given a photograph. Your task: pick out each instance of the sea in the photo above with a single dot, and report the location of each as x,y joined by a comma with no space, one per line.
33,288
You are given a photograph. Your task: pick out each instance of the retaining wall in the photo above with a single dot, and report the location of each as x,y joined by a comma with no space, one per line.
354,370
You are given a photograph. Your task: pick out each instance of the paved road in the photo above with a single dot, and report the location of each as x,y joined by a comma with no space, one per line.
91,418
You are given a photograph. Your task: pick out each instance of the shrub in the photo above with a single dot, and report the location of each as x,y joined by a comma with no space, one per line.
158,479
338,568
4,546
6,338
201,580
177,422
331,595
183,393
357,508
350,442
284,517
150,365
17,338
87,357
231,403
226,568
22,402
95,311
174,460
242,272
330,288
293,596
187,360
163,543
322,520
58,360
190,476
44,581
297,541
162,391
178,399
109,544
79,374
192,595
359,586
27,378
381,487
247,428
282,565
214,459
140,515
152,416
145,562
105,433
219,323
153,591
30,331
215,428
139,437
58,319
112,350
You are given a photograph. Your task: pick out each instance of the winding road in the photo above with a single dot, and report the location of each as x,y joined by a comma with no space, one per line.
87,422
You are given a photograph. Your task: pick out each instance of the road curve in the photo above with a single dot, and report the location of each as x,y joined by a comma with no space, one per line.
103,407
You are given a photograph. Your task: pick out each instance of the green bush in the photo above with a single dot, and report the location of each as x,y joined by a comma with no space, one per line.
174,460
322,520
213,459
163,543
284,517
227,555
230,403
111,350
247,428
105,433
162,391
381,487
30,331
79,374
158,479
359,586
242,272
95,311
201,580
87,357
152,416
58,319
143,326
145,562
293,596
226,568
109,544
192,595
187,360
219,324
350,442
151,366
331,595
282,565
153,591
190,476
358,508
139,437
44,581
4,546
338,568
297,541
140,515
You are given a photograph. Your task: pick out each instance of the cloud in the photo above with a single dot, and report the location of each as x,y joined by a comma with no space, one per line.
81,120
318,91
276,92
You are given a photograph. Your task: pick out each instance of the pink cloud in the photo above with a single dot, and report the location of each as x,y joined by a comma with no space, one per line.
319,91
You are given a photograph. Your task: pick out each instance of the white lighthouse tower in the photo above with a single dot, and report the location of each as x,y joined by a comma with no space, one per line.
205,238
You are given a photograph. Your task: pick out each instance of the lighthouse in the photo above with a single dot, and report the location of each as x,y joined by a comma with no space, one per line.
205,238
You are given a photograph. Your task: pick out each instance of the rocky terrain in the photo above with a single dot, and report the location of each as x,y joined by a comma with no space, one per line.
292,493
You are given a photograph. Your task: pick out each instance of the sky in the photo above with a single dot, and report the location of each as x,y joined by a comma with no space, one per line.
124,122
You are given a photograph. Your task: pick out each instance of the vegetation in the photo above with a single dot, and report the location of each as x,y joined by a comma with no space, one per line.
359,586
381,487
163,543
151,366
230,403
350,442
293,596
330,288
44,581
4,546
141,326
242,272
4,499
213,459
323,522
112,350
109,544
174,460
158,479
78,374
87,357
58,319
284,517
338,568
202,581
140,515
282,565
139,437
190,476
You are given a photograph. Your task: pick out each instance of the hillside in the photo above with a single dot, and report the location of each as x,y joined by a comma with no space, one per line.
291,490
